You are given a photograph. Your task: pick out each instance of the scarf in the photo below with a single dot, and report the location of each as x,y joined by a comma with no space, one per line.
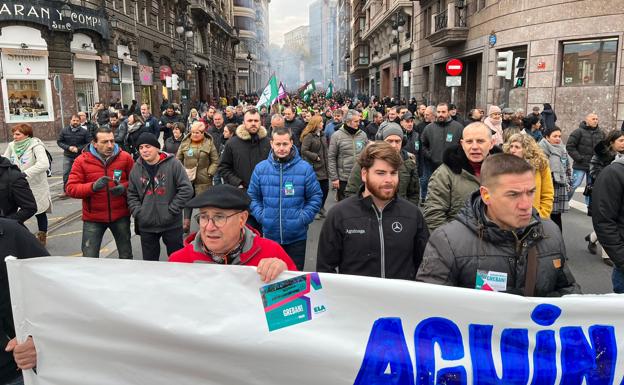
558,160
21,146
134,127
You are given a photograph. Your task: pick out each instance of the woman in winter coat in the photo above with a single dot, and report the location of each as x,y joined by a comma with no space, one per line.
172,144
534,128
136,126
192,118
29,154
604,154
314,150
561,171
523,146
229,130
495,122
200,159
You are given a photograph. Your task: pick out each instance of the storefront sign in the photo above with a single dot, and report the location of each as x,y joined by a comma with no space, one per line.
48,13
165,71
146,75
27,63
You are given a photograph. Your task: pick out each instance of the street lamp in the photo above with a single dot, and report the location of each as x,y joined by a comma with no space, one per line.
249,60
398,26
184,28
66,11
347,63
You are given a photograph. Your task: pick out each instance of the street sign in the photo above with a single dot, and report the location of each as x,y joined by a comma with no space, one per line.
58,85
453,81
454,67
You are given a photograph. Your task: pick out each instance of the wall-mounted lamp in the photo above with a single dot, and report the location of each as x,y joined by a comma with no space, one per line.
87,45
126,54
24,46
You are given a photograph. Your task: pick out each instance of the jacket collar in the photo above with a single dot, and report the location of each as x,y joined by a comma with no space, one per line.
455,158
243,134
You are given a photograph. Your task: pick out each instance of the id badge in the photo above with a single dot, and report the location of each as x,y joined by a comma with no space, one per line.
289,189
117,176
190,152
491,281
417,145
449,137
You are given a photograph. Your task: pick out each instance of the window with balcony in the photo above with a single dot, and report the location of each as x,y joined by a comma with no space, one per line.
426,22
589,62
245,23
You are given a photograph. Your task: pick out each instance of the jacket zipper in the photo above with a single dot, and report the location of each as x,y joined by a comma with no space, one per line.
280,202
379,216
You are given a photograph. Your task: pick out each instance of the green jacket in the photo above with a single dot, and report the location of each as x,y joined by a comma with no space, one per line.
206,162
449,187
409,185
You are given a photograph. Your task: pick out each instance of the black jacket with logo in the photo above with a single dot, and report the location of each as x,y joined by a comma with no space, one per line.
358,239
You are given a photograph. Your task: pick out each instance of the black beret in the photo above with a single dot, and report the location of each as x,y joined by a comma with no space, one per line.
147,138
223,196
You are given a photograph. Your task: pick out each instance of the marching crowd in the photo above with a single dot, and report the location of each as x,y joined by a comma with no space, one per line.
423,193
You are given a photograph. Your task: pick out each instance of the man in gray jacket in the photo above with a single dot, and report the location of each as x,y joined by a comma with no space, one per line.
344,147
440,135
498,241
158,189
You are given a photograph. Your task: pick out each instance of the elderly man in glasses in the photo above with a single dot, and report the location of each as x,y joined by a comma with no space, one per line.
224,238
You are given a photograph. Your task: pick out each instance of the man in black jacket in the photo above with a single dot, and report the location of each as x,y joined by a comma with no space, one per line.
243,152
17,241
375,233
72,139
608,217
167,121
294,124
580,146
16,199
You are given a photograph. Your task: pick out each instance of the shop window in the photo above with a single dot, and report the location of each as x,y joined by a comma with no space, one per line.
28,100
589,62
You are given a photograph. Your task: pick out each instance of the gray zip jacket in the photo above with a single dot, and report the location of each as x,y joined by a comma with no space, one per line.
343,151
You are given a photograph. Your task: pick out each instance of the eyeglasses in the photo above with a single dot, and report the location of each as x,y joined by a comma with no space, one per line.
218,220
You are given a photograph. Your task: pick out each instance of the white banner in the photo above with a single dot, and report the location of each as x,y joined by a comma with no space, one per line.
131,322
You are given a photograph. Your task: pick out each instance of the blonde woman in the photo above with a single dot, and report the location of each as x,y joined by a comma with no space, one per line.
199,157
29,154
524,146
314,150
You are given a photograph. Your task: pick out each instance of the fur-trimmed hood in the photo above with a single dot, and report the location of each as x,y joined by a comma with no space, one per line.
242,133
455,158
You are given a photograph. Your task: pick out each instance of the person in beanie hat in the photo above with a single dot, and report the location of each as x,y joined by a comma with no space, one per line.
507,118
224,237
494,122
157,191
409,183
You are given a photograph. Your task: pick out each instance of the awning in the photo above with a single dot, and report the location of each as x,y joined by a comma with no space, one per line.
84,56
25,52
131,63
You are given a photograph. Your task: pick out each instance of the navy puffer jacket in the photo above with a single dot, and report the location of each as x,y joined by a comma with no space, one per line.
285,197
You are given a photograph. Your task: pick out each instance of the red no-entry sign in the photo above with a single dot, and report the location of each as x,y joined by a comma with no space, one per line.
454,67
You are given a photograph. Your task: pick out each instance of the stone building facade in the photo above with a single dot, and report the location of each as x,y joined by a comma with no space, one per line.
569,51
251,20
61,57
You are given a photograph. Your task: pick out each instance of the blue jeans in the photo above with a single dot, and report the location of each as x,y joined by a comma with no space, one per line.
67,166
93,232
424,181
296,251
617,278
577,179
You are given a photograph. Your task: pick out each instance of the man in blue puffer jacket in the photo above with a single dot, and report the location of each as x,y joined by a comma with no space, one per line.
285,196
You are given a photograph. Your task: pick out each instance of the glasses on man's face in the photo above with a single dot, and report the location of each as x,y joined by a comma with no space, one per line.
218,220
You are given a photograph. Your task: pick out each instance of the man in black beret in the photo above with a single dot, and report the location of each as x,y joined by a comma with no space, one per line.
224,237
158,188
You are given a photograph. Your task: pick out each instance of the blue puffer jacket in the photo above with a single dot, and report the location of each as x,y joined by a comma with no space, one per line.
285,197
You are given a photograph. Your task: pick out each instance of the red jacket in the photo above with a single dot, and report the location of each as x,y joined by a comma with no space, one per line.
260,248
99,206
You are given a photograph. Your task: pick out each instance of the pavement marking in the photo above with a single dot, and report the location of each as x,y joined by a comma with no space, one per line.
580,206
65,234
105,250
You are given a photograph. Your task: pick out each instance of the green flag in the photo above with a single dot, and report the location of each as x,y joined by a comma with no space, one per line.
330,90
270,93
308,90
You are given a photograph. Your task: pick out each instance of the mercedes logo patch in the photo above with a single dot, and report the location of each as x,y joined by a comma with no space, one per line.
397,227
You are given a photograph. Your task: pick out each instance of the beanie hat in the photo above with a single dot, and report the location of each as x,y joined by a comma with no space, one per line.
147,138
392,129
494,109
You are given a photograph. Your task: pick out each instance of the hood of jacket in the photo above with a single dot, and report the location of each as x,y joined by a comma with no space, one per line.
186,141
243,134
294,159
163,158
455,158
473,216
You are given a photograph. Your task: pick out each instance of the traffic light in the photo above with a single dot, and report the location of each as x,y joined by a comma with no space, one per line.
519,71
175,85
503,64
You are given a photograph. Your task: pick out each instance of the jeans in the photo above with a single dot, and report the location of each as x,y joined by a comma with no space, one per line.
577,179
617,278
67,166
150,243
92,233
325,189
424,182
296,251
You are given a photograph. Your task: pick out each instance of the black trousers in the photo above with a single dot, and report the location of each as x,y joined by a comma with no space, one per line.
150,243
325,189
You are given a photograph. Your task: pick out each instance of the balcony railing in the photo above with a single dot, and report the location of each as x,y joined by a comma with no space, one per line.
449,27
